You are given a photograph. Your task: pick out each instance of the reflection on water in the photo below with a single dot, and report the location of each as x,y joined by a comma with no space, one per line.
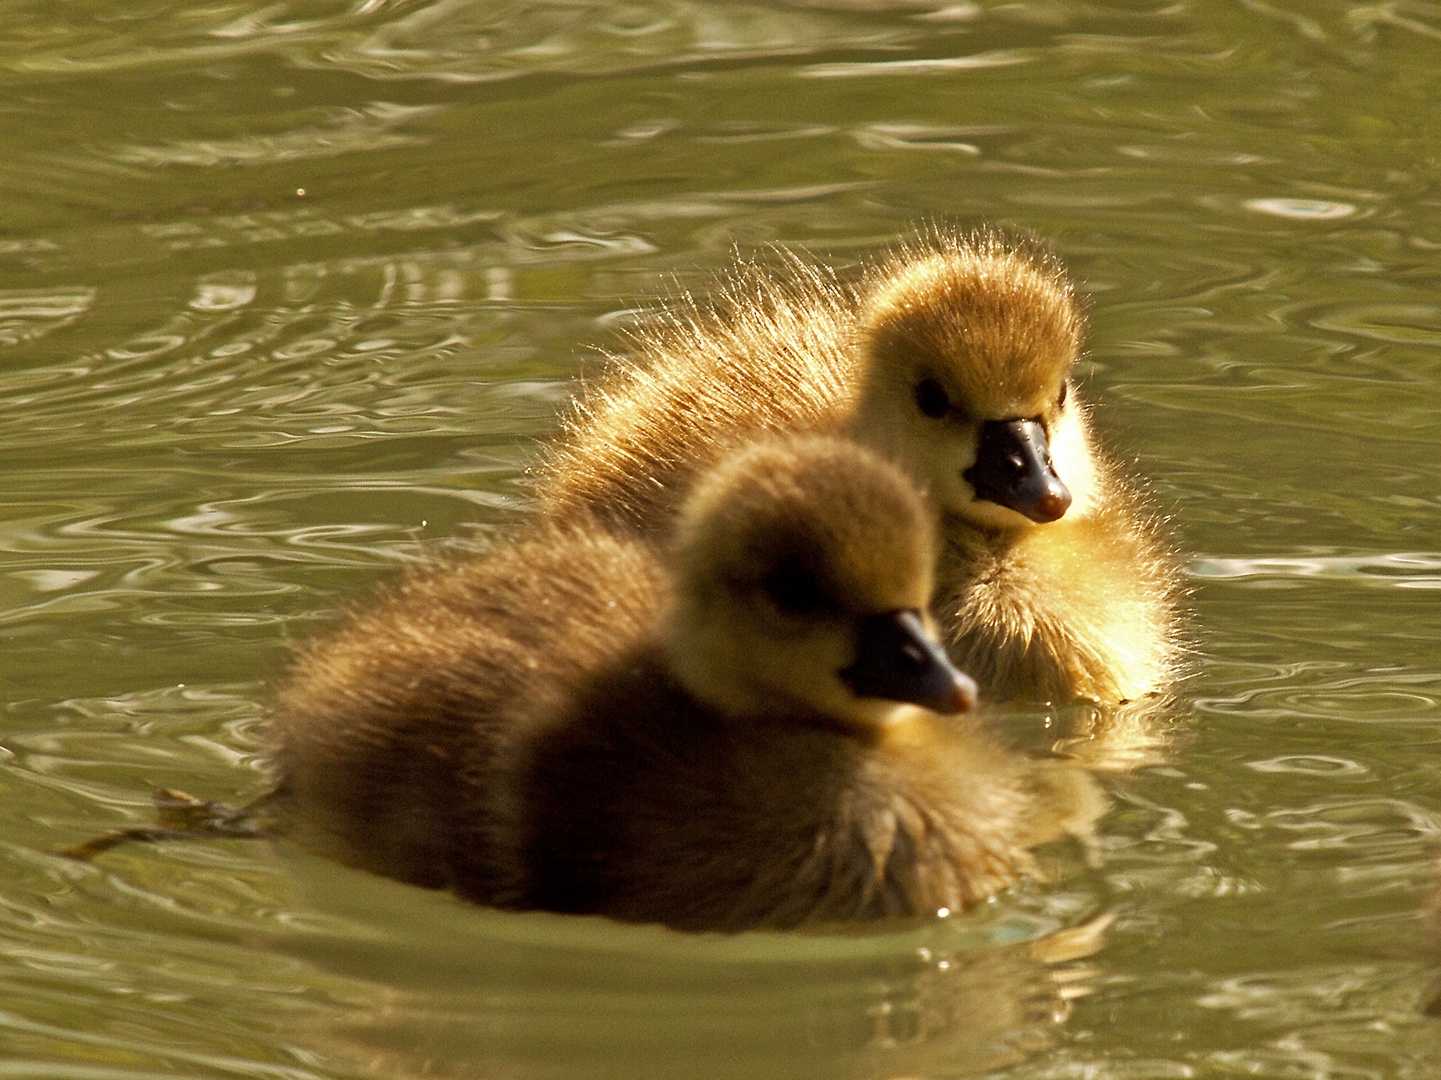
288,291
460,992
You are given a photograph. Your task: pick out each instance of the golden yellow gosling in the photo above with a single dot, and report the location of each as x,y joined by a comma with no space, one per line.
953,357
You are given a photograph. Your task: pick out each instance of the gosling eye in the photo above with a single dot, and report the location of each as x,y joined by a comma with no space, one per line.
1061,397
796,591
931,398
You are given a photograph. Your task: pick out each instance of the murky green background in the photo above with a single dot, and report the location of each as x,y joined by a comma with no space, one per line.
225,403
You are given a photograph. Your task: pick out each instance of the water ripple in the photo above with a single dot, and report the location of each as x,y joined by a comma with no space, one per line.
1309,765
1302,209
28,314
930,66
452,40
369,129
1401,570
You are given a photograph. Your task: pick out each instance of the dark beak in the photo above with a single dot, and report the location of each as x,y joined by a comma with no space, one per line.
1013,468
897,659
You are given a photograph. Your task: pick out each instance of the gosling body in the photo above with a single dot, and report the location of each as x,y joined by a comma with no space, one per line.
953,357
722,738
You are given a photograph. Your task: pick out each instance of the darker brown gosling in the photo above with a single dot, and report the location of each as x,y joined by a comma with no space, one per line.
730,737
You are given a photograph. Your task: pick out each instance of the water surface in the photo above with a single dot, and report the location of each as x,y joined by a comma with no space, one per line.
290,291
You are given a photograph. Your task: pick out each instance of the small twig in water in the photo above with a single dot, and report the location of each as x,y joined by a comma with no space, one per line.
179,816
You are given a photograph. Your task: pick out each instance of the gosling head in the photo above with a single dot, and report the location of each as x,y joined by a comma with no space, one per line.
965,377
804,571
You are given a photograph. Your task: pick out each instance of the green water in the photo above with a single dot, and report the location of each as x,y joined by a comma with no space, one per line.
225,404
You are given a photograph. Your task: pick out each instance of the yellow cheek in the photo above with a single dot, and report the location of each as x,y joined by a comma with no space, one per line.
1074,462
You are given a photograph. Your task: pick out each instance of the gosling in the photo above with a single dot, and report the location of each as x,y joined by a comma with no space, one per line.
954,357
742,733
